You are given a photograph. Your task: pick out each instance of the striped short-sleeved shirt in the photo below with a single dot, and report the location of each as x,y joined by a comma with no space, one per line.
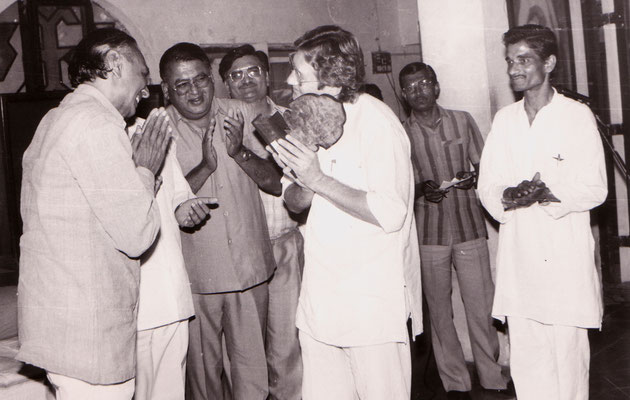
438,153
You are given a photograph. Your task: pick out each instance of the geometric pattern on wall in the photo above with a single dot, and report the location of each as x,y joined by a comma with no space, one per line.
7,52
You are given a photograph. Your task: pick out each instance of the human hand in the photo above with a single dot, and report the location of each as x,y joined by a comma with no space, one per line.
150,141
233,125
193,211
297,160
432,191
208,152
527,193
467,179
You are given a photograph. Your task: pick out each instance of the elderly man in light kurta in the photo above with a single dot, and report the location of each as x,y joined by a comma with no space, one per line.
542,171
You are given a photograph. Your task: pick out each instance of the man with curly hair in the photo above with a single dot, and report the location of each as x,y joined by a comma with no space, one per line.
361,273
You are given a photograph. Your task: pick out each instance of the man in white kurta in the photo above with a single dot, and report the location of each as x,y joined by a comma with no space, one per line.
361,274
165,300
547,284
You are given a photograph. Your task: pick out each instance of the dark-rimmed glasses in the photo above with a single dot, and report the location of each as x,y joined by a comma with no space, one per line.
200,81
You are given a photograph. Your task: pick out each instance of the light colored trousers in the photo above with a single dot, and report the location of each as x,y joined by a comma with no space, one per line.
548,361
374,372
67,388
284,360
472,266
242,317
161,362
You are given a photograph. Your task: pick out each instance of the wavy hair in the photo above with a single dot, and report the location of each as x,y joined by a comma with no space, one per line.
337,58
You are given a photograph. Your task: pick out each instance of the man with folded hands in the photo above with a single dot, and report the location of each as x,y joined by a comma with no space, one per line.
542,170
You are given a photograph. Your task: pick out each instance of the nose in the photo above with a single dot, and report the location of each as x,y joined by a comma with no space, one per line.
292,79
193,88
513,69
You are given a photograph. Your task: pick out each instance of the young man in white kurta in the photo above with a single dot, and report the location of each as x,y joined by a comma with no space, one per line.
547,283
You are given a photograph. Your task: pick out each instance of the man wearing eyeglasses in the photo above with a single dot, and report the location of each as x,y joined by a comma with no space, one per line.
245,72
229,258
451,231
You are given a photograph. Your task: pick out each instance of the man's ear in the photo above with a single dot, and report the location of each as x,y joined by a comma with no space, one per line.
550,63
436,89
164,87
113,60
227,87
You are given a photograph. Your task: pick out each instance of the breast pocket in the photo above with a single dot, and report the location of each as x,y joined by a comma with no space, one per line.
455,151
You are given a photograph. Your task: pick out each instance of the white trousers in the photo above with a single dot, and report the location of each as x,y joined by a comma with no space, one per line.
67,388
374,372
548,361
161,363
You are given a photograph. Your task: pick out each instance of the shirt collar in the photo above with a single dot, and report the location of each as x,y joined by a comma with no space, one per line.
442,115
92,91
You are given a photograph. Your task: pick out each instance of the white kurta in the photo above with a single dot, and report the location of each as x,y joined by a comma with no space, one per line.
545,262
355,273
165,295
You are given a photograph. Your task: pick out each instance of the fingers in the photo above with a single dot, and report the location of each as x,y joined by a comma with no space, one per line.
208,200
297,144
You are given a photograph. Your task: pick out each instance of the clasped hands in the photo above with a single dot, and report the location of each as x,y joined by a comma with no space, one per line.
527,193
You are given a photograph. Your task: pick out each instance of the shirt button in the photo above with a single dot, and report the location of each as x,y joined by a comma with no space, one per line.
220,186
226,213
229,241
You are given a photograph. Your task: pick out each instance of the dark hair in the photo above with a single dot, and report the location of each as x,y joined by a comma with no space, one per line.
414,67
336,56
238,52
539,38
373,90
182,51
87,60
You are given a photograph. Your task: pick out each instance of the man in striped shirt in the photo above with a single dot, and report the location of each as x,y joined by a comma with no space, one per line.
451,230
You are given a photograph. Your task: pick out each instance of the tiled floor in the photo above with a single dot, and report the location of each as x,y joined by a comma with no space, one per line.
610,363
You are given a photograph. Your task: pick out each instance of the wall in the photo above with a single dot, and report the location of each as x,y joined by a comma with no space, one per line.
158,24
462,41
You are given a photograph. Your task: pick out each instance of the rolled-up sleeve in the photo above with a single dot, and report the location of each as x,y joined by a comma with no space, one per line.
388,169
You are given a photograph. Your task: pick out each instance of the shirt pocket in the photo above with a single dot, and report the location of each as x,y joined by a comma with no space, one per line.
455,152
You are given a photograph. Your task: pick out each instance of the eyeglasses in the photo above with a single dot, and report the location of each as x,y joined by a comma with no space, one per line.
412,87
200,81
255,71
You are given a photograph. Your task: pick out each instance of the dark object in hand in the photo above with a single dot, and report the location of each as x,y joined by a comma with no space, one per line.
527,193
314,120
432,191
467,178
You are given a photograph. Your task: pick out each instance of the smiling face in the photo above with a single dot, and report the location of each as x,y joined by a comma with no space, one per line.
420,90
527,71
134,81
189,87
249,89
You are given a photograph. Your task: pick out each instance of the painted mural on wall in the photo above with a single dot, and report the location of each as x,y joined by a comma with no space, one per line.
60,32
555,15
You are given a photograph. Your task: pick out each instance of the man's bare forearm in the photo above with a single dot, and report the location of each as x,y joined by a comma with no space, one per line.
350,200
298,198
263,172
198,176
